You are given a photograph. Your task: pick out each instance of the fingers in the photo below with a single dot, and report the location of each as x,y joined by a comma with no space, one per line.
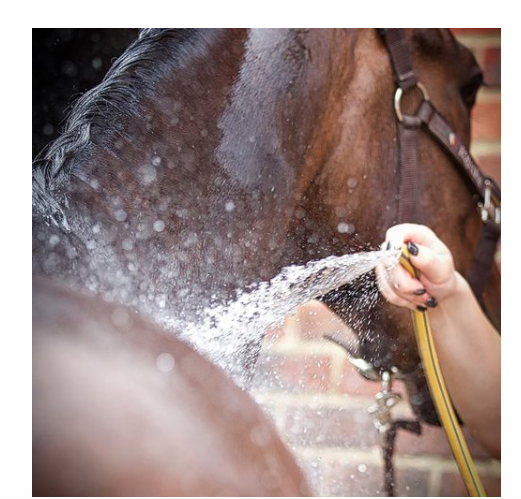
419,234
434,267
404,283
387,290
401,289
432,259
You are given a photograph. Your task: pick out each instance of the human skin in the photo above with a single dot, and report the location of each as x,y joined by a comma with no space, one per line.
468,346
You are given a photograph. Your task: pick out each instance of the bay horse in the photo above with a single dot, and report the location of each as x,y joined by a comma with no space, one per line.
208,159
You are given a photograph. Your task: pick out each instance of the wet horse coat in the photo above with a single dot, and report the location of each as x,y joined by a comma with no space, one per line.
209,159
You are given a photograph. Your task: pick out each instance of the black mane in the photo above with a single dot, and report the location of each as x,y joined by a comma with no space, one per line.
106,108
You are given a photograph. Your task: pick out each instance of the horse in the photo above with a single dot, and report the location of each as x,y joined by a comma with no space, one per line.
208,159
122,409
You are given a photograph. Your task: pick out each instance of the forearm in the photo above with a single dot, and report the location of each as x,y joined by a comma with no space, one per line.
469,350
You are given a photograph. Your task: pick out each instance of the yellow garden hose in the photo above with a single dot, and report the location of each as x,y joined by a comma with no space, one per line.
440,394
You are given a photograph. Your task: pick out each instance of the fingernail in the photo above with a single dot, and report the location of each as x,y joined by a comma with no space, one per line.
431,302
420,292
388,247
413,249
421,309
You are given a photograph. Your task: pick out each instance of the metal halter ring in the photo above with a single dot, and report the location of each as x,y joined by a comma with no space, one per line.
398,99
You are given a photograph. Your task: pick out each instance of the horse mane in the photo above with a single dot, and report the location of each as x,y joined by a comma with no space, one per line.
106,108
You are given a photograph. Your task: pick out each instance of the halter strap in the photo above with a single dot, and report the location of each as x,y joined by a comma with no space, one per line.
400,56
427,117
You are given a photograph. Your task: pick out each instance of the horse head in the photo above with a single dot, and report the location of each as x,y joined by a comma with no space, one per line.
357,185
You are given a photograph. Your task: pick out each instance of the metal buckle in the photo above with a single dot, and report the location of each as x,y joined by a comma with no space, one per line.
398,99
385,400
490,209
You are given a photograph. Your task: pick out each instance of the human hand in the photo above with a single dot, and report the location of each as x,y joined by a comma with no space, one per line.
438,278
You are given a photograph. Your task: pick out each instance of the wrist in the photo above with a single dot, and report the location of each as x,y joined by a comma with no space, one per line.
461,286
454,298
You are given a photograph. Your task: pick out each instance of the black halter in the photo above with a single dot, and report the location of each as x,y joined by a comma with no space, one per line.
484,189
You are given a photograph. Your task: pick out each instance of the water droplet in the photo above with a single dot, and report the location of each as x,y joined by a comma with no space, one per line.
120,318
94,183
271,479
70,69
54,240
352,182
120,215
156,160
260,436
165,362
345,228
229,206
147,174
127,244
48,129
340,211
159,226
362,468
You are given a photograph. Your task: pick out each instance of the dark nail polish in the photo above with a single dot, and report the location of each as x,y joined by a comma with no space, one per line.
413,249
388,247
420,292
421,309
431,302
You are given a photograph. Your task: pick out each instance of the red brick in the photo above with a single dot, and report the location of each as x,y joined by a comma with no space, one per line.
452,485
330,427
314,320
294,373
348,479
486,121
353,383
491,165
432,441
492,66
476,31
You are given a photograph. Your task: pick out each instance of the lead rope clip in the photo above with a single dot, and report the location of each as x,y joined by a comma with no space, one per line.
385,400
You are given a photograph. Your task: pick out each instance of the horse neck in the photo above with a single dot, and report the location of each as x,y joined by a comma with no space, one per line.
192,198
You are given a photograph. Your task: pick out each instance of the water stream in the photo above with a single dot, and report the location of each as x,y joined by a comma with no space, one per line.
227,332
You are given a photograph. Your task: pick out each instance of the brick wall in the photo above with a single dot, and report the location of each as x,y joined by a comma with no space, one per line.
319,403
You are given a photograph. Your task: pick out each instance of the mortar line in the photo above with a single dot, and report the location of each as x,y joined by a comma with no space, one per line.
487,95
434,483
482,147
301,347
475,42
372,456
327,400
